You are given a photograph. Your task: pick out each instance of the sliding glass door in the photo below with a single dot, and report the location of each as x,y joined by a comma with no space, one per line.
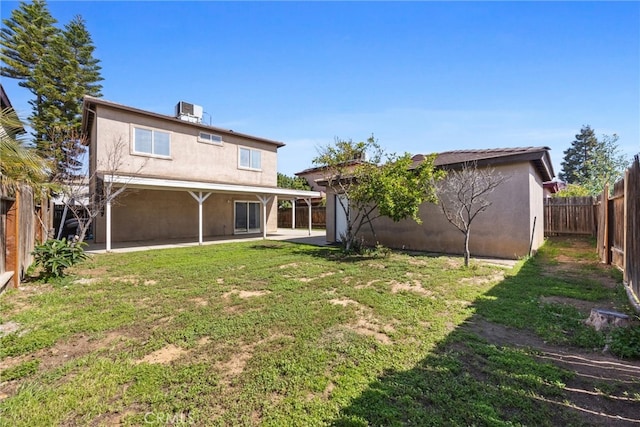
247,217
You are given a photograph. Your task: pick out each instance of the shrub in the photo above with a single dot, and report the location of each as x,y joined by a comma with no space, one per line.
625,342
54,256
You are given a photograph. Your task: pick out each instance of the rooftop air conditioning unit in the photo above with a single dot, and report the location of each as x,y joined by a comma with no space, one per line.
189,112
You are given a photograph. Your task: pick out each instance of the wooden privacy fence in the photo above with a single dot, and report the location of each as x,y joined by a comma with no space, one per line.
24,221
619,229
569,215
318,217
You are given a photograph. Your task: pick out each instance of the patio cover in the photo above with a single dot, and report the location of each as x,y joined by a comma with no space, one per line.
200,191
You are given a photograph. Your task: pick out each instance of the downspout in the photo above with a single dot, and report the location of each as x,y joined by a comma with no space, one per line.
533,232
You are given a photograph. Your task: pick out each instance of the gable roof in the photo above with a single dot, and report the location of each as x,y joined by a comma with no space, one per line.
90,102
321,168
539,156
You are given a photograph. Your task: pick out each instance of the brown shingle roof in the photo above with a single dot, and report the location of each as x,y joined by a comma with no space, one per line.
487,157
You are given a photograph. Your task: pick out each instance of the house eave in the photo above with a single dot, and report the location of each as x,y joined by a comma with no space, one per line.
140,182
90,103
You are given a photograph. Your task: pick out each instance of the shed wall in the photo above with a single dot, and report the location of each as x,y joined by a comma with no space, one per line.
503,230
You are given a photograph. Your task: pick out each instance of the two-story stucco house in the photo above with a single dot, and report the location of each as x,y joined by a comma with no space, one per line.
183,178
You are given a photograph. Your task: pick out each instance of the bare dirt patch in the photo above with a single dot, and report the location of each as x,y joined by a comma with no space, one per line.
415,286
368,284
366,323
236,364
245,294
371,327
9,328
64,351
202,302
290,265
343,301
164,356
480,280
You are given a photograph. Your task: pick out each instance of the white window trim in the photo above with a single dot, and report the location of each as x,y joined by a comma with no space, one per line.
240,166
142,153
205,141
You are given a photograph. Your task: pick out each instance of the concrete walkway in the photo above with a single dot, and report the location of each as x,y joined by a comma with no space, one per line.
317,238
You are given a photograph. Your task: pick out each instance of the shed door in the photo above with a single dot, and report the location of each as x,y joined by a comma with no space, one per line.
341,216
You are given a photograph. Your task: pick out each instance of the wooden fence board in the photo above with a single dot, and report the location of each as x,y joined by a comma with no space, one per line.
619,229
22,225
632,248
318,217
569,215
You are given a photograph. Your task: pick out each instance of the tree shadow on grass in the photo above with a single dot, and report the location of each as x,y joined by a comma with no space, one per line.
495,370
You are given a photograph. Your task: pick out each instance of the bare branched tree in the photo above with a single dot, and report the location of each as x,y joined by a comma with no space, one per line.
84,205
464,194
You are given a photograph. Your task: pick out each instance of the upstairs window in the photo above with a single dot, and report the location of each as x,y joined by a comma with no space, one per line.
250,158
210,138
153,142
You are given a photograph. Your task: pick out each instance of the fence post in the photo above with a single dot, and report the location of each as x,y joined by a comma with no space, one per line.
16,233
626,223
605,224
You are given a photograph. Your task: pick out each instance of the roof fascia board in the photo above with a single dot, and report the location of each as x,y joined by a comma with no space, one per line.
170,184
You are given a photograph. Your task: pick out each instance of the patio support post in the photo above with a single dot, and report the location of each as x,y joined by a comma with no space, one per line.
200,199
108,231
264,200
293,214
308,202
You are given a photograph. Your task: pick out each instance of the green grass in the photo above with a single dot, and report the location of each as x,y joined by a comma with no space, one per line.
323,340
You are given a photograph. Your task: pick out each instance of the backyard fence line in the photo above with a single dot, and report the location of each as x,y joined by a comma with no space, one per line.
619,229
318,217
569,215
24,221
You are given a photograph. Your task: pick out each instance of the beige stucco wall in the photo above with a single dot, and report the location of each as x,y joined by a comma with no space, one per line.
503,230
536,203
139,215
189,160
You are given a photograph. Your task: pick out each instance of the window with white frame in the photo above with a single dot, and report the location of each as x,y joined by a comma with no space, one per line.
249,158
151,141
209,138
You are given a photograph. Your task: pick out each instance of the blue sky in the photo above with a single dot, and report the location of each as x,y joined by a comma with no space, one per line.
421,76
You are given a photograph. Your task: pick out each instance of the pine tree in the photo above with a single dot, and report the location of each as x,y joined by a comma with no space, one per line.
87,74
59,68
24,40
591,162
577,158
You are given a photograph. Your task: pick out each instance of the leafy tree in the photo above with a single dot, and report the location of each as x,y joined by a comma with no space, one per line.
464,195
573,190
58,67
383,185
296,183
591,162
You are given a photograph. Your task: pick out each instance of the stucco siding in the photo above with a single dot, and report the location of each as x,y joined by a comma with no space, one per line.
503,230
152,214
536,203
189,159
